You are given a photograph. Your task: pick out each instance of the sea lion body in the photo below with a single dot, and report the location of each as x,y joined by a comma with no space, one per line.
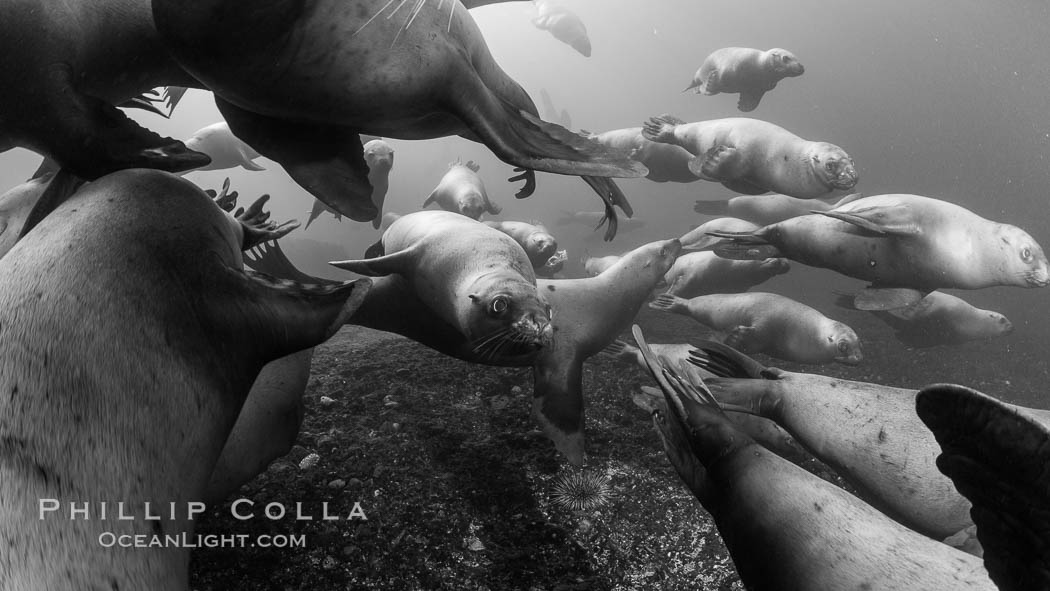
666,162
564,24
537,242
869,434
595,266
904,241
402,71
768,209
462,191
943,319
224,148
475,278
771,324
785,527
702,273
749,72
152,289
65,65
752,156
379,157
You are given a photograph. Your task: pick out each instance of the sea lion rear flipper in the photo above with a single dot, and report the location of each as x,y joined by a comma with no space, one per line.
382,265
279,317
269,258
726,362
879,220
557,403
749,101
326,160
887,298
720,164
256,226
997,457
611,196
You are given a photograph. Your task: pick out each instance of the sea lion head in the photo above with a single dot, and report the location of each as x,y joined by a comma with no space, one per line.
472,204
652,260
379,156
833,166
997,325
784,63
540,246
507,317
845,343
1024,264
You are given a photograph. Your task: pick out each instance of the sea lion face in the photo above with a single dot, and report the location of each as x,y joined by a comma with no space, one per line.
1026,265
834,166
472,205
845,343
660,256
540,246
379,156
508,317
999,325
784,63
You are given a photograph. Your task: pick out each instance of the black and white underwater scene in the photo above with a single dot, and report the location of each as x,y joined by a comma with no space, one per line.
570,295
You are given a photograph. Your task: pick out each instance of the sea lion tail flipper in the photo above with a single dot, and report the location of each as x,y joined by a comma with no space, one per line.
726,362
887,298
879,220
387,264
996,456
669,303
269,258
716,208
557,404
661,129
256,226
280,317
326,160
749,101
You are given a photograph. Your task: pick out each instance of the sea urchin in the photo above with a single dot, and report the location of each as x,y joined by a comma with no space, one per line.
581,490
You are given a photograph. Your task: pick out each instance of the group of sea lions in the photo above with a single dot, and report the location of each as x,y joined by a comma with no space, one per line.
166,373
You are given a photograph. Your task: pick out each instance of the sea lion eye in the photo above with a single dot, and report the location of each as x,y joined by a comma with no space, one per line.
500,304
843,346
1026,255
829,166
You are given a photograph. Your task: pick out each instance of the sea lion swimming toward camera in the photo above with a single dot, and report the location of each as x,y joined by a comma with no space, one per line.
751,156
757,322
868,433
379,157
537,242
132,332
750,72
564,24
406,71
461,191
784,527
905,245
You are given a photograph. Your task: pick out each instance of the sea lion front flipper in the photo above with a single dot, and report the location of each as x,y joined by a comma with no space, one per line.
269,258
61,186
997,457
387,264
879,220
326,160
720,163
749,100
887,298
557,402
278,317
742,337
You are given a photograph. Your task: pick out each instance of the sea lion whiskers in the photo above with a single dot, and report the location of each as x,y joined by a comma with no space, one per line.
376,15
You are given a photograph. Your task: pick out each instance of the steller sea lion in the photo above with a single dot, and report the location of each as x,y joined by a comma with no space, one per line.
704,273
564,24
462,191
751,156
784,527
905,245
595,266
749,72
769,209
869,434
940,319
768,323
225,149
379,157
405,71
537,242
131,332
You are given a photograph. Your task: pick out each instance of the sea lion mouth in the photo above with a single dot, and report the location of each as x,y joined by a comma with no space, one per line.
849,360
1037,279
846,179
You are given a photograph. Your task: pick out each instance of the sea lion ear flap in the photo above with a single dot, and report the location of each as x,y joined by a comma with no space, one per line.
279,317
